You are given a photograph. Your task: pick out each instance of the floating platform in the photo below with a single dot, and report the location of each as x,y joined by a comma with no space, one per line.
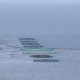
26,39
33,46
39,52
30,43
36,49
46,60
1,48
41,56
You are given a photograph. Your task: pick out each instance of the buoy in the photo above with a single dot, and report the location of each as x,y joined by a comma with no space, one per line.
62,48
48,38
55,43
77,58
58,38
67,51
6,37
71,54
10,44
16,62
14,58
59,45
13,47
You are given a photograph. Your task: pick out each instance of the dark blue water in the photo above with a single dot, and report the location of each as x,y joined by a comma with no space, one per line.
48,24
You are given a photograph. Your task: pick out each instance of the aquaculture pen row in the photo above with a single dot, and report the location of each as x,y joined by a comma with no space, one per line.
30,46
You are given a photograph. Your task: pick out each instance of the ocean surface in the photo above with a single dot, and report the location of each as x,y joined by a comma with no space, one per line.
52,26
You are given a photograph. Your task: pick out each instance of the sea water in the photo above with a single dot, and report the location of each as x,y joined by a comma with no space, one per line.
52,26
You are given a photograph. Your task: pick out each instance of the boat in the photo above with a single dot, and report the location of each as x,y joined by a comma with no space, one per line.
45,60
32,46
35,49
1,48
39,52
26,39
41,56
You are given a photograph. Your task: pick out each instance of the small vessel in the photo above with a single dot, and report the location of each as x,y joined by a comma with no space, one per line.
46,60
35,49
41,56
1,48
39,52
26,39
